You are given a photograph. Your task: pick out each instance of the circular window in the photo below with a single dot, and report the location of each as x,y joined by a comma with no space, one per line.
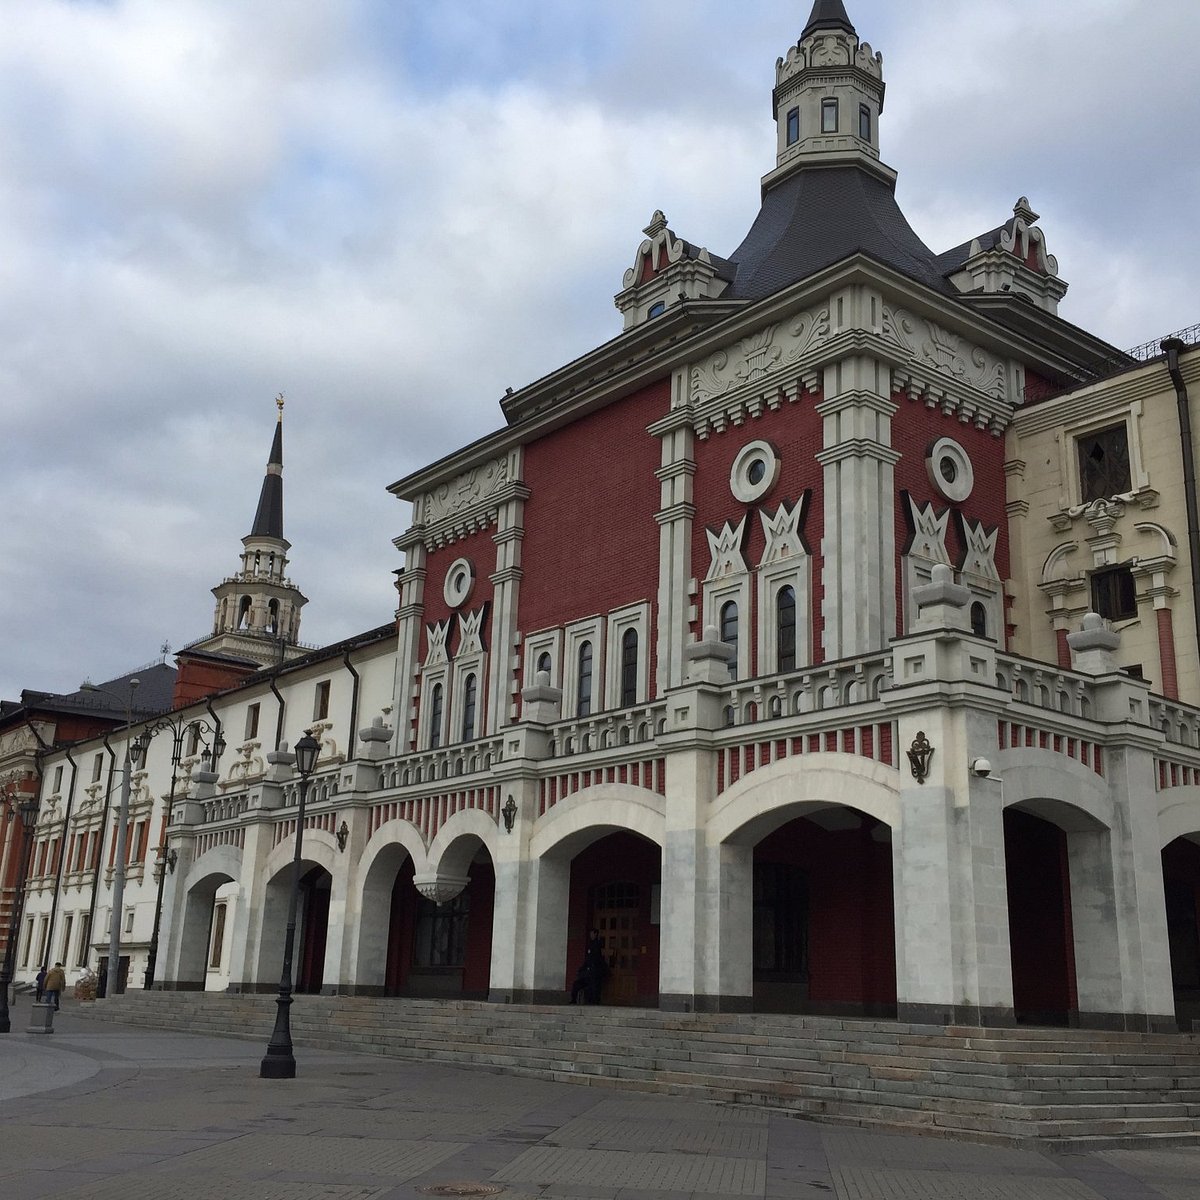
754,471
459,581
950,470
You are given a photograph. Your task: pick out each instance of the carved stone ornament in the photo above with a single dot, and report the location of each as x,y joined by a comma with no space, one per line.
980,557
929,532
726,550
772,366
467,490
783,533
470,632
438,633
440,889
1027,242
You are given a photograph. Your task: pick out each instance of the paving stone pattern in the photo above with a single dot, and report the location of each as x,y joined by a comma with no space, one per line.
112,1113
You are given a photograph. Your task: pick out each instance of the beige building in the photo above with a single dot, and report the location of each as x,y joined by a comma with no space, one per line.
1102,516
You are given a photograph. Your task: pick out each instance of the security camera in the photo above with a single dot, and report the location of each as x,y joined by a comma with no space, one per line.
981,767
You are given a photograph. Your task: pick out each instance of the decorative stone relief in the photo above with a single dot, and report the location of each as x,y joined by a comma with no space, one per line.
470,627
1025,237
783,533
467,490
726,550
438,633
980,558
929,532
947,354
439,888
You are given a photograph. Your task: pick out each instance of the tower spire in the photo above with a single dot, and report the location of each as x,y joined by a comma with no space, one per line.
268,518
828,14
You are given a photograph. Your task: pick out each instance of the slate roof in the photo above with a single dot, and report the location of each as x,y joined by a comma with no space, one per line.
268,518
950,261
827,14
820,215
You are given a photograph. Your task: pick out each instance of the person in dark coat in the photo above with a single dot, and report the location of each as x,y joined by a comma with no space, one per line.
39,984
56,983
590,977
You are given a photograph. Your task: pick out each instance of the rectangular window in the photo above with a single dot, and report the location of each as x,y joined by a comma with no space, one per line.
28,942
440,937
864,122
193,742
85,931
321,701
57,780
43,937
1113,593
129,920
829,116
1104,464
793,127
252,721
218,937
68,922
97,767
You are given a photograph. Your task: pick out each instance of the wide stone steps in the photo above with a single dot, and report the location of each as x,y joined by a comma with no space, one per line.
1062,1087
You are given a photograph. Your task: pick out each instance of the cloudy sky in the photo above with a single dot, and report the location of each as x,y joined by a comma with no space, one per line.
392,210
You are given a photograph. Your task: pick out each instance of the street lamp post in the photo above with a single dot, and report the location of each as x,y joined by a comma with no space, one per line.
137,748
279,1062
179,730
27,810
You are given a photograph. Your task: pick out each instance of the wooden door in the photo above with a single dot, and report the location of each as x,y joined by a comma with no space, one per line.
616,913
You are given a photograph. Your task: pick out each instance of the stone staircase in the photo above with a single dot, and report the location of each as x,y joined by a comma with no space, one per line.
1061,1088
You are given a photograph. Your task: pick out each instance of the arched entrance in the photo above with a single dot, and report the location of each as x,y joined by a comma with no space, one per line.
1181,885
312,928
1039,919
824,929
201,914
616,888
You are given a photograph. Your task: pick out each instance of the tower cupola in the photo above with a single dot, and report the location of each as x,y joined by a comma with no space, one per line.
828,98
257,614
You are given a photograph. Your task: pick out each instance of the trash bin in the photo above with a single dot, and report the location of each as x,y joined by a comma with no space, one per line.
41,1018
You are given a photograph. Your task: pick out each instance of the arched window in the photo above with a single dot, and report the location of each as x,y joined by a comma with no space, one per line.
273,617
629,667
244,613
583,680
785,627
543,663
979,620
435,717
468,722
729,632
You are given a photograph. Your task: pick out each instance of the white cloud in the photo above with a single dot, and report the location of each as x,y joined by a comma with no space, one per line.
392,212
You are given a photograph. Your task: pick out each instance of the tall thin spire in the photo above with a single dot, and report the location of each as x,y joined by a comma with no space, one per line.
268,519
828,14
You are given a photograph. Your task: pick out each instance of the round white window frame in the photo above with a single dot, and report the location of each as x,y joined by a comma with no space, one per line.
964,480
454,592
739,473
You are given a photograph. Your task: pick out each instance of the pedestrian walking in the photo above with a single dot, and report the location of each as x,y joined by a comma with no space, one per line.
39,985
56,981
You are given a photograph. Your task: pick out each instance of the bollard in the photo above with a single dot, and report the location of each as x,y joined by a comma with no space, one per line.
41,1018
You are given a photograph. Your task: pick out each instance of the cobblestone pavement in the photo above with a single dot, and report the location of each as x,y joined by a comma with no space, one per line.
103,1111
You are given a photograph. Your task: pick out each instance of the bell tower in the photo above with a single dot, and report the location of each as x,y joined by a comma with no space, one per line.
257,613
828,98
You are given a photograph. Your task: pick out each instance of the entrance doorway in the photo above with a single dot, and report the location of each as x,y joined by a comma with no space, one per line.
314,926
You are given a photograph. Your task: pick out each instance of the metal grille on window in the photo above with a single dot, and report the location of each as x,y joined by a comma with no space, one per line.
1104,464
440,939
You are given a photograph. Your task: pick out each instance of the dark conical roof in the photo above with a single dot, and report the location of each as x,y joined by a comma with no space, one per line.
818,217
268,519
828,14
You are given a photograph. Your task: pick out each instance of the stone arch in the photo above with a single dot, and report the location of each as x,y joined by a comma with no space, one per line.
207,876
574,823
772,795
390,847
1056,788
1180,815
454,846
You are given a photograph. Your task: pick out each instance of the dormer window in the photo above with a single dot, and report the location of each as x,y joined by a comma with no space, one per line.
656,310
829,116
864,122
793,127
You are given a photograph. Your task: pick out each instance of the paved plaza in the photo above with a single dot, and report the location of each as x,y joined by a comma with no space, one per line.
105,1112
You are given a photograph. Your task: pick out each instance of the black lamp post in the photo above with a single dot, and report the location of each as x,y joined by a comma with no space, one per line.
179,730
27,810
279,1062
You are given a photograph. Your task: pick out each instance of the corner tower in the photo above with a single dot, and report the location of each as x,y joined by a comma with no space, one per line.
257,614
828,97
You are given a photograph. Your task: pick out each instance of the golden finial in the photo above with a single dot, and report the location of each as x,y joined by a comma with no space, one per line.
279,405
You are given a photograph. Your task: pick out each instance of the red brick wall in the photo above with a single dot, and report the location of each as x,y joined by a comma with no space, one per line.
795,430
914,430
851,924
197,678
591,540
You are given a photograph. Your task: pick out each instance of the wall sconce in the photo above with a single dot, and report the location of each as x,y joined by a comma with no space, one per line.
172,859
920,754
509,813
342,836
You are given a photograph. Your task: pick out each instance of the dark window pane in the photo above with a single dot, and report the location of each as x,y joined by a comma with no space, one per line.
469,696
829,116
1104,464
793,127
1113,593
583,705
979,620
629,667
729,631
864,122
785,628
435,717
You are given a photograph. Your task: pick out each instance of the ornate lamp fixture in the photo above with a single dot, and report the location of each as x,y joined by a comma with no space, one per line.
509,813
920,755
342,836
